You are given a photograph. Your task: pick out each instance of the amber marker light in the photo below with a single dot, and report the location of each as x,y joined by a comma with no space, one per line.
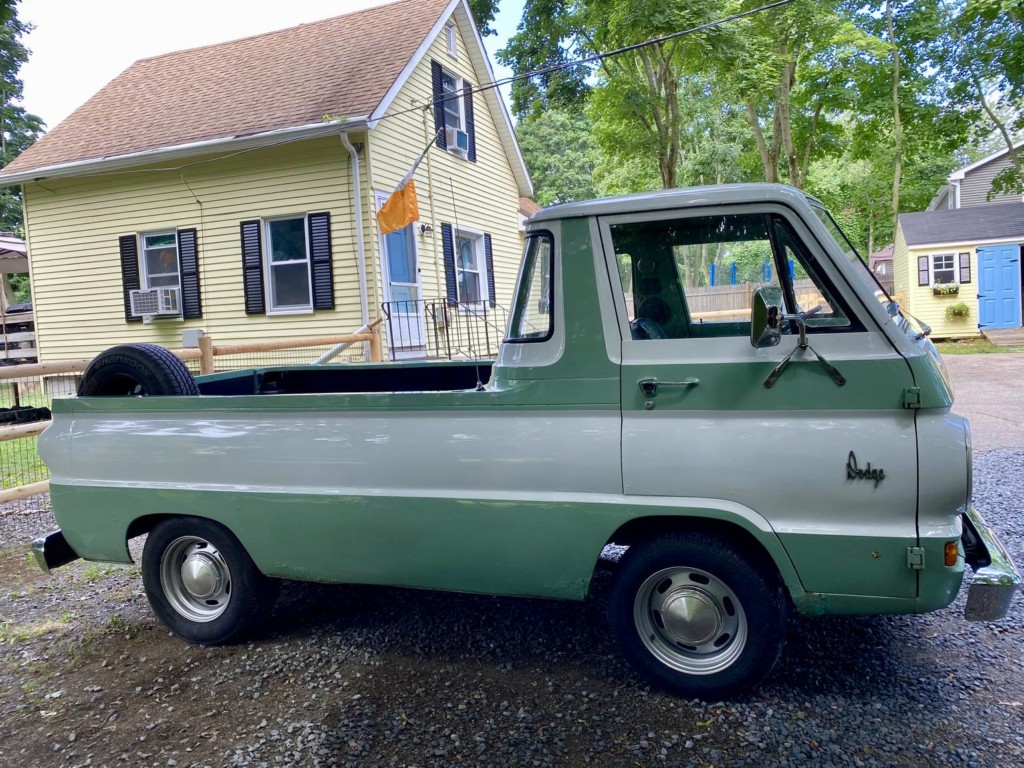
952,552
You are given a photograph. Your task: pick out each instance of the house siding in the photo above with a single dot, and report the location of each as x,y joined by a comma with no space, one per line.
976,184
74,225
481,196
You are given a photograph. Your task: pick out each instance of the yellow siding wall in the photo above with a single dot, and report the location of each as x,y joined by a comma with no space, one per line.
486,196
922,303
74,224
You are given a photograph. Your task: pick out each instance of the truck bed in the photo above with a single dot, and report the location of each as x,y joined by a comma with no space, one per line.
443,376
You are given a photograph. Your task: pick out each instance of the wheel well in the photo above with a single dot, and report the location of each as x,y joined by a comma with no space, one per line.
643,529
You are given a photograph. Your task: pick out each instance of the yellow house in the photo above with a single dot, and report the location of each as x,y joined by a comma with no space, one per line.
232,188
959,271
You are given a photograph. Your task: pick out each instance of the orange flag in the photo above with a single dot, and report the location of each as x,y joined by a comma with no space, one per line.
399,210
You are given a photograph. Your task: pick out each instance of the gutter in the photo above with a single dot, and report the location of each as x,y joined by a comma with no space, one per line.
179,151
360,241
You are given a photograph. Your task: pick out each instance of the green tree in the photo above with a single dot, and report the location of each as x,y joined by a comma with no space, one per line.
483,14
560,152
18,129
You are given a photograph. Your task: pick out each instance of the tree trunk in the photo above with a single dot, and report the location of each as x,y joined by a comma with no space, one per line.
897,133
771,174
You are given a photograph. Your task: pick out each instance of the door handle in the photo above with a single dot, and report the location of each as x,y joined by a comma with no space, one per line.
649,387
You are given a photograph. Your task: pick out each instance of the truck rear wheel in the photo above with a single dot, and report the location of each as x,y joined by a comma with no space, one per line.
139,370
696,615
202,583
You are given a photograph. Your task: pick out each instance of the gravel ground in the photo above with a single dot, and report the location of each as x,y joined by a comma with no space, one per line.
359,676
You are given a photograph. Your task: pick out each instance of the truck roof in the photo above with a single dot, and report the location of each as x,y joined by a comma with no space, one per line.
721,194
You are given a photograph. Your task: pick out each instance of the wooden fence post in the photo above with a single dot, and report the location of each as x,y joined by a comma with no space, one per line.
206,365
376,354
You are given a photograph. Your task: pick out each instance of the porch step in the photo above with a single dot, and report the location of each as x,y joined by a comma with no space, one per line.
1005,337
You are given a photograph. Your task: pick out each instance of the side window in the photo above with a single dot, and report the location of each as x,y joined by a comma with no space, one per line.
695,276
814,300
532,318
160,260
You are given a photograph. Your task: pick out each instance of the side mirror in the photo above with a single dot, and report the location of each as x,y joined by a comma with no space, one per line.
766,317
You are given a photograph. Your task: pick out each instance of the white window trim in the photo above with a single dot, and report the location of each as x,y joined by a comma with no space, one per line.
268,269
955,268
451,39
144,271
144,266
477,236
461,101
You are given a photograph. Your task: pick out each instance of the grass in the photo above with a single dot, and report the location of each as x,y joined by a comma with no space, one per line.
19,633
975,346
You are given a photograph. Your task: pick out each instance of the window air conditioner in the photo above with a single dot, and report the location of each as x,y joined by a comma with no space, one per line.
156,302
457,139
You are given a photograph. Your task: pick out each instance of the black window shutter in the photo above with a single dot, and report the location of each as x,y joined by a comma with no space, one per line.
320,260
252,267
922,270
188,261
129,247
467,93
450,280
435,77
965,267
489,255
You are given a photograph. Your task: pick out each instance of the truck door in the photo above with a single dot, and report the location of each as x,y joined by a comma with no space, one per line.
832,468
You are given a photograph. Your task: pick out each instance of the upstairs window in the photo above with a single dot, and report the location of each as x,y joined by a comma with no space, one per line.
454,121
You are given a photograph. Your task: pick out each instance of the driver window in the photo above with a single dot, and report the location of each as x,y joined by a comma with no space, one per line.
693,277
814,301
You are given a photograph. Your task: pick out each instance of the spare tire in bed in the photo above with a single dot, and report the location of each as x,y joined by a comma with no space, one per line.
136,370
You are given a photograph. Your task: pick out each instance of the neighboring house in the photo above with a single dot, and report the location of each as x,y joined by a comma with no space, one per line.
232,188
971,185
971,255
881,262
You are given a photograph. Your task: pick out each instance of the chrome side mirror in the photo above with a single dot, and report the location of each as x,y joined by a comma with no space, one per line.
766,317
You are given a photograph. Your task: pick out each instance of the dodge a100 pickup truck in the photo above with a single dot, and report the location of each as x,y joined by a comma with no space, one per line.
786,445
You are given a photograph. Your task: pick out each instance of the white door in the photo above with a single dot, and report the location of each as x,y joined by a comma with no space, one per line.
404,305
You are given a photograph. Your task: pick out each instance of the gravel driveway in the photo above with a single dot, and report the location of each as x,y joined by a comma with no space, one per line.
359,676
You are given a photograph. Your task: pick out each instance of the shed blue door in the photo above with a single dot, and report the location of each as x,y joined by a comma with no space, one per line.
999,287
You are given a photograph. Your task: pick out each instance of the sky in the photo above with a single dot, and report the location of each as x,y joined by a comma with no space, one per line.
77,47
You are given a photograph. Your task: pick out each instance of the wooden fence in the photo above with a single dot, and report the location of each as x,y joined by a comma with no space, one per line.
205,354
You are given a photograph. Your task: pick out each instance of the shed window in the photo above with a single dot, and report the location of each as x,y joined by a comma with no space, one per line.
943,269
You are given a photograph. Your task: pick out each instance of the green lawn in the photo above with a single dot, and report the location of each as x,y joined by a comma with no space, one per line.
978,346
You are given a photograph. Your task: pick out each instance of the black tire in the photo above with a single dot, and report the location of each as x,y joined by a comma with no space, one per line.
136,369
697,615
202,583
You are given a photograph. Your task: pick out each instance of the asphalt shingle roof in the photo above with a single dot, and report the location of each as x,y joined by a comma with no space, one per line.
963,225
342,67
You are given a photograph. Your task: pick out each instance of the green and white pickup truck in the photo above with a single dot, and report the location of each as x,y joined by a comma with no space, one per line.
788,445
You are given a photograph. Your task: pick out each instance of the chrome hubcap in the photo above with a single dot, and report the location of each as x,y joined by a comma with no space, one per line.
690,620
195,578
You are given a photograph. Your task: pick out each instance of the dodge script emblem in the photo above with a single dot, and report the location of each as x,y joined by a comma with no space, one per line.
853,472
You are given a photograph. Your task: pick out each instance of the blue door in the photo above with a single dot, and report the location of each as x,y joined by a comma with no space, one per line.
999,287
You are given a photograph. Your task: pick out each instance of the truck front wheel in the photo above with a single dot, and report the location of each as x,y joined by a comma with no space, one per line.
697,615
202,583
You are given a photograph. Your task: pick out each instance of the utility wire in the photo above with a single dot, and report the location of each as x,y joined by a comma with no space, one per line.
330,128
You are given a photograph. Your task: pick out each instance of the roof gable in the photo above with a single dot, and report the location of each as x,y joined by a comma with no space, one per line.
342,66
959,174
964,225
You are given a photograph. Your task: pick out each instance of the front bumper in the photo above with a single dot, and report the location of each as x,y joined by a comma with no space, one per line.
52,551
996,578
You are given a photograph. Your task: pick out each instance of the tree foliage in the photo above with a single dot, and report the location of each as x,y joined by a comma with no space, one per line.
18,129
868,104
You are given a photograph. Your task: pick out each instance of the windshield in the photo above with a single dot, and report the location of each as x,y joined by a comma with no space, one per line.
865,274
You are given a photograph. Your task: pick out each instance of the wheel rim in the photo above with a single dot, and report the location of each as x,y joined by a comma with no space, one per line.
690,620
195,578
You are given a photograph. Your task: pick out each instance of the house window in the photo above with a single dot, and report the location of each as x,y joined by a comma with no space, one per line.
287,265
451,40
454,122
469,268
160,267
943,269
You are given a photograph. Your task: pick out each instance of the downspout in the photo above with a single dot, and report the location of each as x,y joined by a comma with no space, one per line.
364,305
